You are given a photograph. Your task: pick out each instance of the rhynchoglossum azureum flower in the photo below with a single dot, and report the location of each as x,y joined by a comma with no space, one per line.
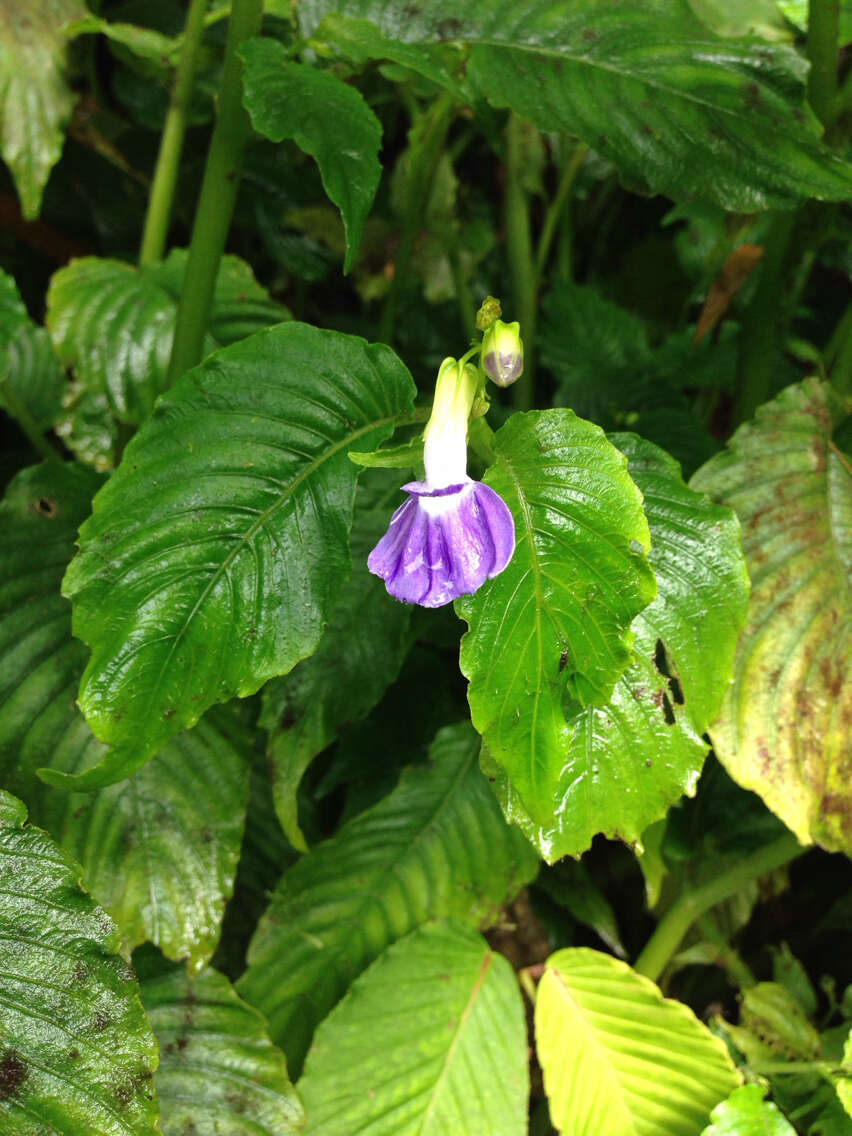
452,533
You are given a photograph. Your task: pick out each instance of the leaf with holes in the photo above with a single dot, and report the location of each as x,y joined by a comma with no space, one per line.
113,323
76,1051
35,99
359,655
549,635
447,1049
618,1058
216,551
326,118
436,846
678,109
218,1069
628,761
159,850
785,722
32,381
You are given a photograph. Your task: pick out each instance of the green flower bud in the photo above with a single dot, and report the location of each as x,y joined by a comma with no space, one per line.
488,313
503,353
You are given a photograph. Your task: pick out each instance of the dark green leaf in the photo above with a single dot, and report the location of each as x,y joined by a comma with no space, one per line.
550,635
76,1051
679,110
326,118
113,323
447,1048
31,376
219,1073
436,846
217,549
359,654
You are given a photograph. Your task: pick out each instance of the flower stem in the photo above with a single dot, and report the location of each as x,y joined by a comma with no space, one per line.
217,198
557,206
521,263
171,144
823,25
692,904
427,141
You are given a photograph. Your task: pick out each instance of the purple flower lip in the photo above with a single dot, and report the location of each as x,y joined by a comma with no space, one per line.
444,543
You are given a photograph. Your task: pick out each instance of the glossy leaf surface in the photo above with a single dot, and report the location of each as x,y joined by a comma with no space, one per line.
549,635
113,323
447,1048
218,1070
76,1051
159,851
217,549
35,98
31,375
437,846
679,110
746,1113
360,654
785,723
618,1058
326,118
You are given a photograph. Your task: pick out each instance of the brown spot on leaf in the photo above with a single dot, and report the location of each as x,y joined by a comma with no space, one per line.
45,507
13,1073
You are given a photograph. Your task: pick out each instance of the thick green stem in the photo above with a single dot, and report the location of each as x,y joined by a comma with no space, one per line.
555,212
521,262
25,420
171,144
762,321
217,198
738,970
823,24
424,157
692,904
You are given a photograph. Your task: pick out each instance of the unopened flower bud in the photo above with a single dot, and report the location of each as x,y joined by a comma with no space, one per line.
503,353
489,311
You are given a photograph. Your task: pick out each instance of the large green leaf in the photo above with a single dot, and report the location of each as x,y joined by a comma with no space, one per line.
785,723
31,376
679,110
159,850
359,654
35,99
326,118
628,761
76,1051
436,846
549,636
746,1113
219,1073
618,1058
447,1047
217,549
113,323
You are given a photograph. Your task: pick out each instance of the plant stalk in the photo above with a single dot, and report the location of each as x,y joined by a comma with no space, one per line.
839,355
823,26
425,155
157,218
521,261
217,198
557,207
692,904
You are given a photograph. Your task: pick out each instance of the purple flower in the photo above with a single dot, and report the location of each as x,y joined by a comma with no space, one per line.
444,543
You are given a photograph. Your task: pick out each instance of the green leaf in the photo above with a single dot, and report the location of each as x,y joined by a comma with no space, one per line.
359,655
30,373
437,846
76,1051
746,1113
113,323
326,118
217,549
679,110
784,726
447,1048
628,761
618,1058
550,634
161,50
159,850
218,1071
35,99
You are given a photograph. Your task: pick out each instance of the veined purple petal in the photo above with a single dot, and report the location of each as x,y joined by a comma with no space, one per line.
444,543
